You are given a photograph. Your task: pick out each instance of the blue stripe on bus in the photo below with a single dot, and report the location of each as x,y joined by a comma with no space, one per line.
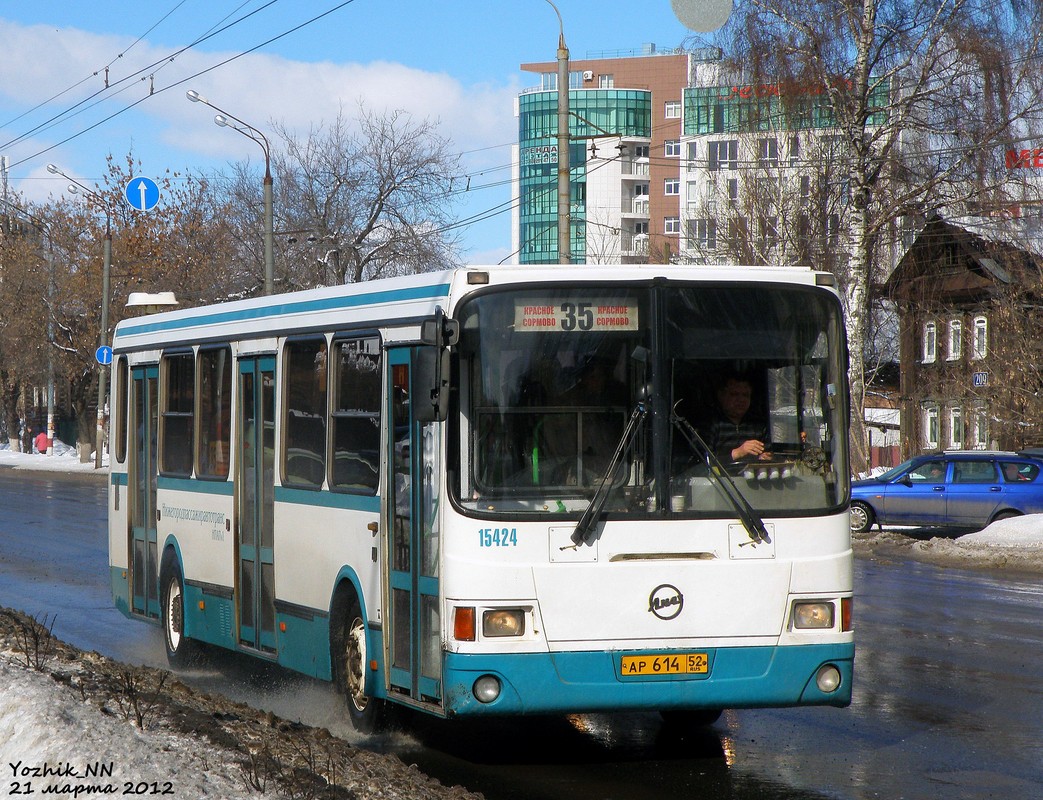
283,494
741,677
289,307
311,497
221,488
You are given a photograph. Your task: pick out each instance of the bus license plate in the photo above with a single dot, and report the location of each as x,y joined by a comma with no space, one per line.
672,664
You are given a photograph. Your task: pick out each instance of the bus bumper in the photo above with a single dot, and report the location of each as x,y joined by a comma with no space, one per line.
579,682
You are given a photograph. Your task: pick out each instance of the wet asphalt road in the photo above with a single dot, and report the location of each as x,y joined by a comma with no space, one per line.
948,699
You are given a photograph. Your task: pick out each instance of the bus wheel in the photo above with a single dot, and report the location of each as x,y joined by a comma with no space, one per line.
181,651
351,665
695,718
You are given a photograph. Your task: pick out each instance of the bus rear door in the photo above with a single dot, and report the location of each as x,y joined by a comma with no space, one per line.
255,492
143,472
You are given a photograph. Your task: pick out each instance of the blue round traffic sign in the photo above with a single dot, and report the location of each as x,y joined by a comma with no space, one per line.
142,193
103,355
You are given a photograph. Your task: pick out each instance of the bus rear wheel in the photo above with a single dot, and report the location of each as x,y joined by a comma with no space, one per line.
351,665
181,651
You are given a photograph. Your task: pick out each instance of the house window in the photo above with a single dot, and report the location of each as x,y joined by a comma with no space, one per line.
693,152
955,428
930,342
672,109
672,148
794,150
672,186
606,81
702,234
672,225
641,228
769,230
723,154
981,337
641,151
733,192
930,427
769,152
955,340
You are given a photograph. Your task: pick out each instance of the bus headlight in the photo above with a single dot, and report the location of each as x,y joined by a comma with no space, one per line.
486,688
827,679
813,615
503,622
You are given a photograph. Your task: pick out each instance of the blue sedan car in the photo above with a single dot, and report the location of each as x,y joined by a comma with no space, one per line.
958,489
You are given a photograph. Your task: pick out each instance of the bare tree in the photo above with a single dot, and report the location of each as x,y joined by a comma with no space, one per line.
356,199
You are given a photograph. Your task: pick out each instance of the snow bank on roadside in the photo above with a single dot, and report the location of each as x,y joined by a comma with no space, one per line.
51,737
63,459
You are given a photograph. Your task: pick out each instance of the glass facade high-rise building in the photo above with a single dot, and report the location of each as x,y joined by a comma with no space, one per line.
624,121
625,113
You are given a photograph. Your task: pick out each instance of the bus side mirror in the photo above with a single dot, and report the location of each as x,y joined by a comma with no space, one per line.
431,382
440,331
431,367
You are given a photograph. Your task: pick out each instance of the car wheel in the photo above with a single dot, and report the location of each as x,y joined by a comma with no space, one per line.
181,651
1010,512
861,517
351,665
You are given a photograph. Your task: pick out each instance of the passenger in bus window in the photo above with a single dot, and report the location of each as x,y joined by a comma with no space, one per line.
735,434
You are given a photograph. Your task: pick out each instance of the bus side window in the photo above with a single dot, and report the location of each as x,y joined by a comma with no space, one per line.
356,415
121,410
215,412
305,420
177,414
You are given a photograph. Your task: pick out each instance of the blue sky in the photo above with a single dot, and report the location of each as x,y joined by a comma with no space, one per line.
455,62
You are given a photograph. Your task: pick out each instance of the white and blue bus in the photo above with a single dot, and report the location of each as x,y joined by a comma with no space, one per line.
496,490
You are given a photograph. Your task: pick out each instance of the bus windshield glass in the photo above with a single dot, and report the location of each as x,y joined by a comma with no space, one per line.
551,378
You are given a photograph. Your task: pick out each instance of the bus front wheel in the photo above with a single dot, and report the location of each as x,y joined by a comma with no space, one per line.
181,651
351,665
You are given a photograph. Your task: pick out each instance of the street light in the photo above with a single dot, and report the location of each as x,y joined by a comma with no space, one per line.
46,229
103,334
564,224
250,132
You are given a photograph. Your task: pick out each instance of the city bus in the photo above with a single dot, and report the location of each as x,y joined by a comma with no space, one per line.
494,490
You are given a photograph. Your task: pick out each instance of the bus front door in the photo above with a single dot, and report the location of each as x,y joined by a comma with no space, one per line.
413,639
143,471
255,518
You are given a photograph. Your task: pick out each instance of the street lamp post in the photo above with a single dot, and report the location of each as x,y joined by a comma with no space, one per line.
564,215
250,132
103,333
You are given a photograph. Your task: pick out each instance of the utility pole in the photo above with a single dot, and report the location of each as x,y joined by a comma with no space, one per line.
564,203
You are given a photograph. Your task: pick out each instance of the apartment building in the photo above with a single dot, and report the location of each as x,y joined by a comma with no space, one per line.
625,159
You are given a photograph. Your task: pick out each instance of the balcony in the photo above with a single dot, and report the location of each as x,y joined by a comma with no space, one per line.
633,244
636,207
634,169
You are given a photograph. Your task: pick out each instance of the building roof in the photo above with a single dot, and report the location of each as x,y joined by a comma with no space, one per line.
964,256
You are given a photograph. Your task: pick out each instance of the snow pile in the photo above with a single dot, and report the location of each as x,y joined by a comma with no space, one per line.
52,741
63,459
1018,532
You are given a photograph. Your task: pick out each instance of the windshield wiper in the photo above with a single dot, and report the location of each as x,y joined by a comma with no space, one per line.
585,527
750,520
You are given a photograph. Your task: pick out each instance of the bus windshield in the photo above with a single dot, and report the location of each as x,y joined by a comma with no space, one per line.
551,378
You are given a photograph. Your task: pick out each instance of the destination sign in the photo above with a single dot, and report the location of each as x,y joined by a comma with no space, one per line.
576,316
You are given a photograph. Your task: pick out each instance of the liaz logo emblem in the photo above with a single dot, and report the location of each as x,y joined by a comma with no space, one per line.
666,601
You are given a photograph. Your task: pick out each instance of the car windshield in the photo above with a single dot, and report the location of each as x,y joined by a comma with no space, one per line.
551,378
894,472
